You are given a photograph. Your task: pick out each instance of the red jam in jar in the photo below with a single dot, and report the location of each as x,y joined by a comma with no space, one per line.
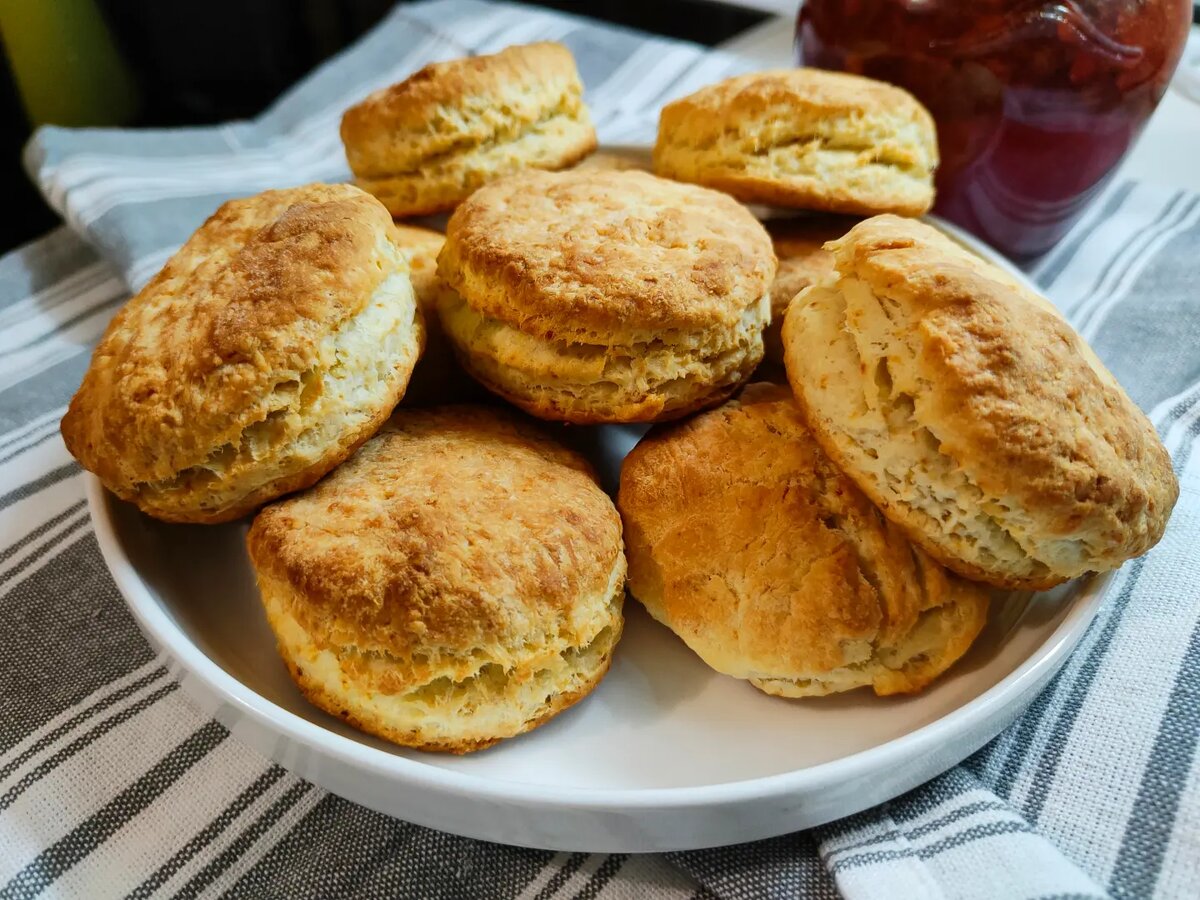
1036,102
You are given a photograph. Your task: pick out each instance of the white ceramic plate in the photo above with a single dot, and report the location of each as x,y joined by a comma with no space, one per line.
665,754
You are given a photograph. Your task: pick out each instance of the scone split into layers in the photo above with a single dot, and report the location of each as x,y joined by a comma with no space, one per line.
746,540
803,138
606,296
457,582
972,413
276,340
423,145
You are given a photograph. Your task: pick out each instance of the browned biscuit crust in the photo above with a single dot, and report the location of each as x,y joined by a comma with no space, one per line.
804,138
424,144
458,581
598,254
749,543
972,413
601,296
271,344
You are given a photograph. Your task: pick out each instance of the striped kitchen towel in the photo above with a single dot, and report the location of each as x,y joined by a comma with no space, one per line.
1188,76
112,783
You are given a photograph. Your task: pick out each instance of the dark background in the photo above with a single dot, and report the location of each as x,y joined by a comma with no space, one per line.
201,61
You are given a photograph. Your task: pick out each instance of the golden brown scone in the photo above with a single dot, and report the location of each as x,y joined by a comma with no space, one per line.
458,581
425,144
972,413
271,345
804,138
749,543
603,296
799,245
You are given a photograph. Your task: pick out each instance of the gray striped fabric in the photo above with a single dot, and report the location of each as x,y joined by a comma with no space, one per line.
113,783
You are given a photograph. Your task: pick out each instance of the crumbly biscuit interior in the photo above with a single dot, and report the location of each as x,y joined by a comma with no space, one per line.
874,400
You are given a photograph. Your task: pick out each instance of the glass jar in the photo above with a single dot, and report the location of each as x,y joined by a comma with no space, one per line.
1036,102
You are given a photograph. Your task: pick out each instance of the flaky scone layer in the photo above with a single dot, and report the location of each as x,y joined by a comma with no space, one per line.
271,344
803,138
972,413
447,714
426,143
746,540
456,582
589,383
440,184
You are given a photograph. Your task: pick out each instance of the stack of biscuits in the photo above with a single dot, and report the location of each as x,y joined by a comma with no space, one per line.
922,432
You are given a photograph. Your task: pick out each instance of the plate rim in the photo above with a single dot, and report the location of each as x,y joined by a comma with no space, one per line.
1046,659
154,620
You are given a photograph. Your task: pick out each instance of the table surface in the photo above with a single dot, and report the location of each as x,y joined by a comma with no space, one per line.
1165,154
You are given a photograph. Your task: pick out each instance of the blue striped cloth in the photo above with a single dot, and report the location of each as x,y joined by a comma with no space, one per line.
112,783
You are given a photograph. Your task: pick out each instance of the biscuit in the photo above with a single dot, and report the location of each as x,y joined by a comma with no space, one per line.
804,138
457,582
423,145
437,378
747,541
616,161
421,247
274,342
967,408
799,246
605,296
